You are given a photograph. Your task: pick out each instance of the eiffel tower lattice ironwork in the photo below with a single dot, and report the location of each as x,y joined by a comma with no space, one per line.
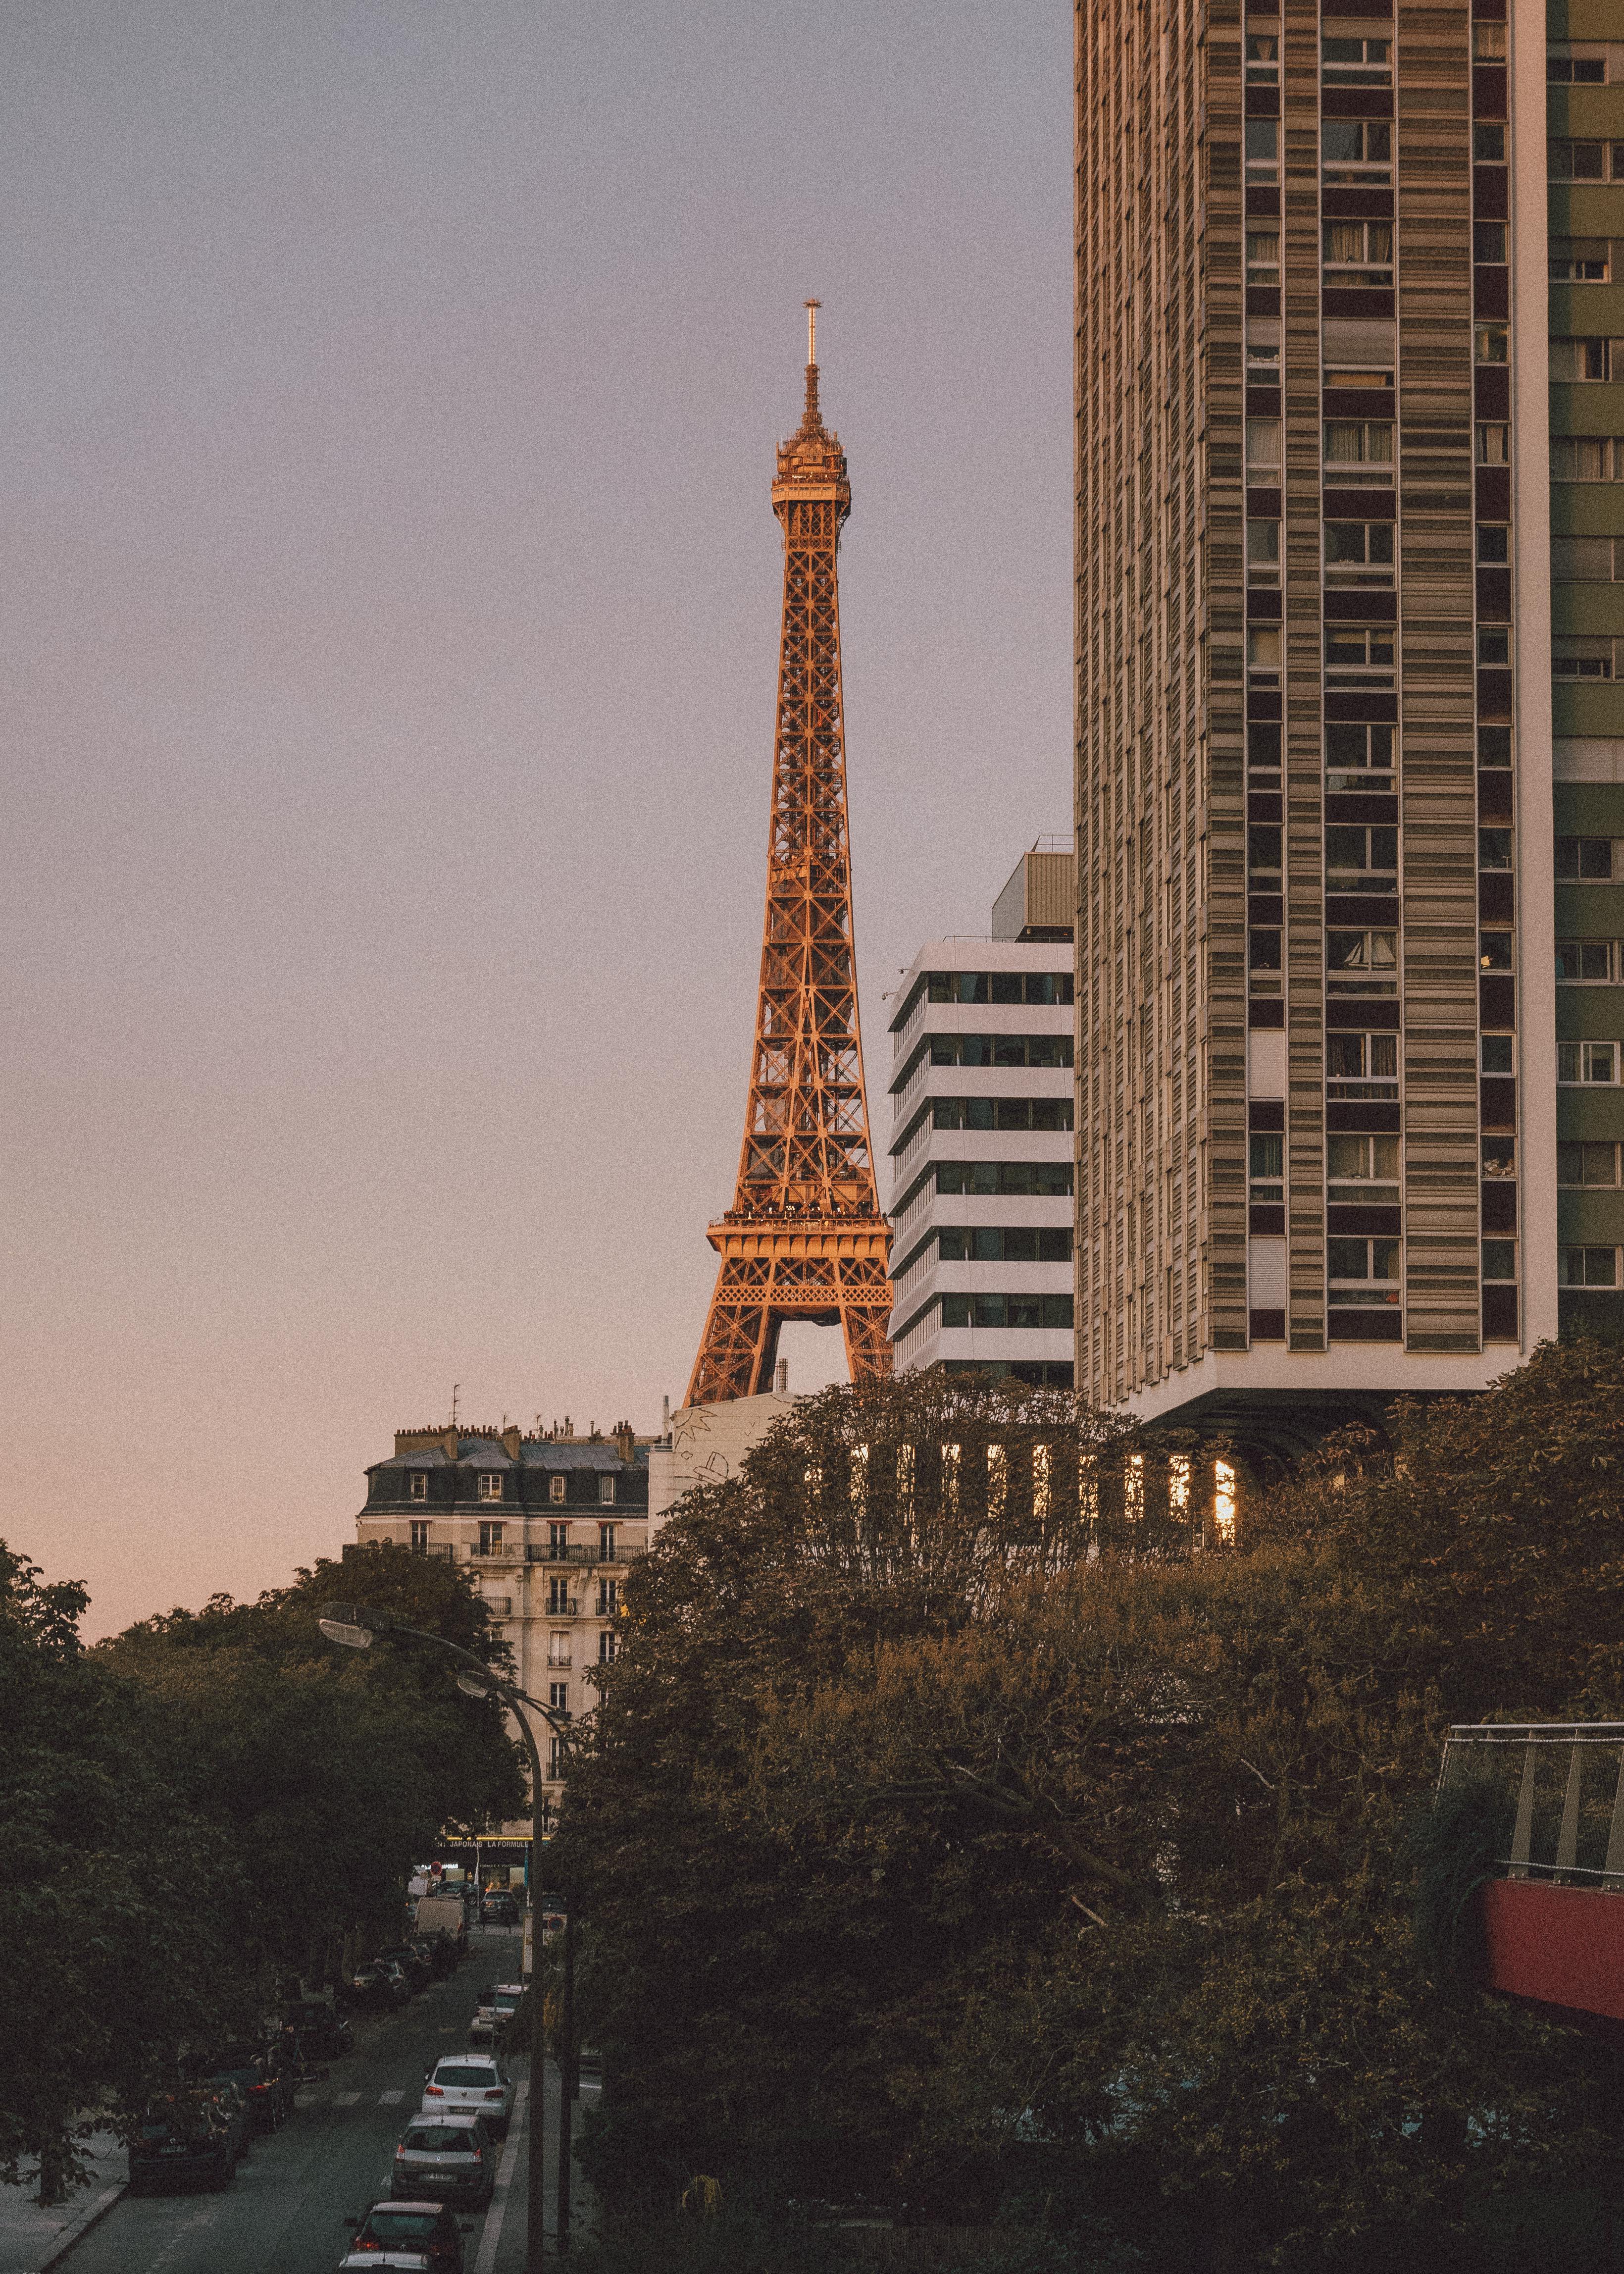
804,1237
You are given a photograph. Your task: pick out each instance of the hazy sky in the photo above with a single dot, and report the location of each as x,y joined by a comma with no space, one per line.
389,601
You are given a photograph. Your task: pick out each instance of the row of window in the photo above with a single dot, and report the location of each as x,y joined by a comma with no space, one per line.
1004,1243
997,1050
1355,756
999,1113
560,1648
1009,1179
1021,1311
491,1485
1359,1170
1586,1065
1358,254
494,1535
1584,161
1037,987
1359,60
1587,458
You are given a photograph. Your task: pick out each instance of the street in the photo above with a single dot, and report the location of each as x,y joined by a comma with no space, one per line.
284,2211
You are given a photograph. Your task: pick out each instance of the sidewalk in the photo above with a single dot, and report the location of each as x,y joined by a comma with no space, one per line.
32,2239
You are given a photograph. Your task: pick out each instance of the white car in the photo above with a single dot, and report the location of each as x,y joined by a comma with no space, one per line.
474,2084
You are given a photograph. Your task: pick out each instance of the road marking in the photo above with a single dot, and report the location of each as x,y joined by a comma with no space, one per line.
345,2099
485,2262
389,2099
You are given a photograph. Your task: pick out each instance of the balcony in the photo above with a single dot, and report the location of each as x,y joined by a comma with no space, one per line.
582,1551
1551,1931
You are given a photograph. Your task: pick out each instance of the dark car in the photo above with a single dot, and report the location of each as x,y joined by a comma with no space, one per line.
448,2159
411,1962
380,1986
322,2031
266,2079
499,1910
185,2140
413,2226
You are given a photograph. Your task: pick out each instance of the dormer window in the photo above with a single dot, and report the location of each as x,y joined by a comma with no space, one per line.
606,1491
556,1487
418,1483
489,1484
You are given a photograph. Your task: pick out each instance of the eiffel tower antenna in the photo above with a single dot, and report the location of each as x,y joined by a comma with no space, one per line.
804,1237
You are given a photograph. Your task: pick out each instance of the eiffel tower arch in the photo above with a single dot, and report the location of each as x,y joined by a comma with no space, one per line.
804,1237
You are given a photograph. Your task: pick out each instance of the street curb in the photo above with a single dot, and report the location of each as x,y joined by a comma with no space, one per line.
80,2225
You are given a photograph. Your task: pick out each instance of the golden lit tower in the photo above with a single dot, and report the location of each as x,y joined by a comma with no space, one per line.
804,1237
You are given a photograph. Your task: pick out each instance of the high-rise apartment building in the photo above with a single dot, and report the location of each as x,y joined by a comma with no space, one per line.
981,1111
1318,1058
1584,93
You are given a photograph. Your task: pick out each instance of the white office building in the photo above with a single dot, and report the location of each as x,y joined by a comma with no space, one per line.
981,1145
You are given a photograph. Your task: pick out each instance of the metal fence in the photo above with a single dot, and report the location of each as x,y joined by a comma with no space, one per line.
1562,1787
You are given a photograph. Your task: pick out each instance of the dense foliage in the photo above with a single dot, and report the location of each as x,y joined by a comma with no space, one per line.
204,1806
952,1837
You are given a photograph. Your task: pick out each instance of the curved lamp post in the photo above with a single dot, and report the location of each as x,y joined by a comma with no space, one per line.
355,1627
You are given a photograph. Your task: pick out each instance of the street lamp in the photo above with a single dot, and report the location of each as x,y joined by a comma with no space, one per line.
354,1627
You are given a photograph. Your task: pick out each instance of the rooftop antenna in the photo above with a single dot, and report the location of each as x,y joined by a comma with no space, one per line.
813,421
456,1387
812,308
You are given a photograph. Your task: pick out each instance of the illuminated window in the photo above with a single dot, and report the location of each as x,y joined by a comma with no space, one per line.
490,1484
1223,1502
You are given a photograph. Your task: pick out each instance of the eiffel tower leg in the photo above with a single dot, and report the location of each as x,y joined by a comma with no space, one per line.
867,1351
735,1353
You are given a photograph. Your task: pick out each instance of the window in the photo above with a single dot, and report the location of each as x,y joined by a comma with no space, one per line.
1369,1266
1583,560
419,1534
1361,1066
418,1483
993,1050
1358,551
1263,351
1494,644
1263,952
489,1539
999,1113
1355,150
1266,1164
1587,1163
1583,458
1357,62
1494,544
608,1598
1263,848
1263,442
1577,361
1587,962
1021,1311
1579,259
489,1484
557,1540
1353,754
1493,442
1263,553
606,1491
1488,43
1354,654
1491,344
558,1697
608,1646
1494,746
1358,451
1263,255
557,1486
558,1758
1494,848
1045,987
1497,1053
1263,648
1591,63
1581,659
558,1646
1584,859
1360,860
1588,1267
605,1543
1499,1259
1262,58
559,1603
1586,161
1016,1179
1262,150
498,1607
1362,1171
1263,750
1495,951
1357,253
1361,962
1013,1244
1488,240
1587,1063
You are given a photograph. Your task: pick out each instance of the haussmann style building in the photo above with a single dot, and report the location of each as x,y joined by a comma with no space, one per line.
1350,450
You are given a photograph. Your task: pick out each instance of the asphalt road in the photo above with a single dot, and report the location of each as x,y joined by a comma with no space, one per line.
284,2211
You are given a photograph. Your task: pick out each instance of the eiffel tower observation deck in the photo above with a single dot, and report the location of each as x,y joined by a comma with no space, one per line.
804,1237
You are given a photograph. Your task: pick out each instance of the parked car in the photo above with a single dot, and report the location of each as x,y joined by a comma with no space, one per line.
184,2140
411,1962
499,1910
448,2158
265,2078
378,1986
425,2227
474,2084
321,2029
495,2013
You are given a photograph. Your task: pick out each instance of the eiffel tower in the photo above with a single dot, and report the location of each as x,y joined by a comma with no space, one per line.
804,1237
